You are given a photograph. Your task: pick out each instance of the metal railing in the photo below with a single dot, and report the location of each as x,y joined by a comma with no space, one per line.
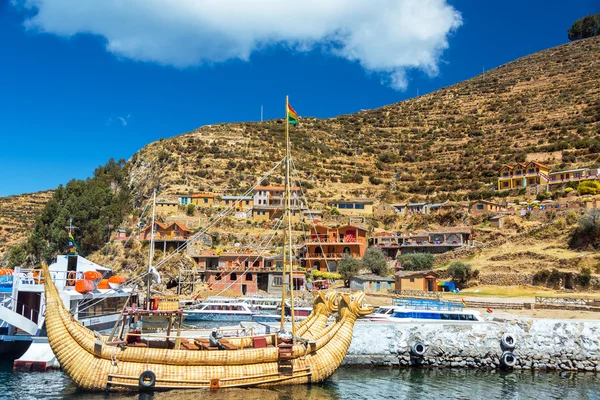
567,301
428,304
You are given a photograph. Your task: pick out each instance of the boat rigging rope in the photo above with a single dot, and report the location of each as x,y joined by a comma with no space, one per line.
219,217
294,171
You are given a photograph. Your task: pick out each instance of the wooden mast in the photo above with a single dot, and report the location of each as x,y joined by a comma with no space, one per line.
288,202
151,253
288,270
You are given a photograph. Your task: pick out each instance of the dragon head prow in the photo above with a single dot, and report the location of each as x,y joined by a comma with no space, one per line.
353,303
326,302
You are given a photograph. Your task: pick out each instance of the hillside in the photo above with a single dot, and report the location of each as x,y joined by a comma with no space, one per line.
543,107
17,217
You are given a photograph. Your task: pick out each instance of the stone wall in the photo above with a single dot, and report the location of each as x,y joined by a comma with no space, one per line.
540,344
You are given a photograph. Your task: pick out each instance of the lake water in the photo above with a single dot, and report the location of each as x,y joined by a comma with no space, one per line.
346,383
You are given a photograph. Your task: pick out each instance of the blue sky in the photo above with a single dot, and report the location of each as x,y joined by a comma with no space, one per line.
70,100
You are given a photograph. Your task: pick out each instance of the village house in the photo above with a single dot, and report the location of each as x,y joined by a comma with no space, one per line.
184,199
486,207
326,246
416,280
497,221
412,208
312,215
353,207
203,199
370,283
167,238
523,175
239,202
243,273
166,206
121,234
269,203
573,175
434,241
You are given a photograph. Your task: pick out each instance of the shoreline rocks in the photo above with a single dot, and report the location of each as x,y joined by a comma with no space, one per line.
538,345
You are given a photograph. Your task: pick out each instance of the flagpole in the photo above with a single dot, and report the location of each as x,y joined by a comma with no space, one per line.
284,275
288,200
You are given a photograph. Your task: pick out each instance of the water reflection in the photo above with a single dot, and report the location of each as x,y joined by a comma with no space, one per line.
346,383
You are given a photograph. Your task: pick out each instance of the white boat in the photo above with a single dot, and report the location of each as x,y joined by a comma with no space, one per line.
425,311
22,305
262,303
220,311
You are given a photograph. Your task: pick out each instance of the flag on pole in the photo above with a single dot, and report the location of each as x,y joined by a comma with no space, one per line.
464,302
292,116
488,310
73,249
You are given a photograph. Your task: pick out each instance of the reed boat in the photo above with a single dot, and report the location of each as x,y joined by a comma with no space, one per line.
311,352
95,364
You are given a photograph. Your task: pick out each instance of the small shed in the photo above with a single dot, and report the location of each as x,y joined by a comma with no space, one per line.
370,283
497,221
417,280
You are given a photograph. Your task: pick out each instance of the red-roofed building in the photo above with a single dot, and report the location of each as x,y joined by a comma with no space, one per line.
522,175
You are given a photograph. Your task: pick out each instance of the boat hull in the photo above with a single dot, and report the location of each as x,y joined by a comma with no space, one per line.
217,317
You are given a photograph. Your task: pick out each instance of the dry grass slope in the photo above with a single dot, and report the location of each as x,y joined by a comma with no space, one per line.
545,106
17,217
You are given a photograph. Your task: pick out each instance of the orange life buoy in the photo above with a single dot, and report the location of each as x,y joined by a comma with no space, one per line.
37,277
71,277
84,286
103,284
92,275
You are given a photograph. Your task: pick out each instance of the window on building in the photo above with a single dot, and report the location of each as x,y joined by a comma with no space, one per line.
218,277
359,206
248,277
205,200
233,277
277,281
479,206
247,202
412,280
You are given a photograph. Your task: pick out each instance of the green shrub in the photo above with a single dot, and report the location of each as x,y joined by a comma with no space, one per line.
416,261
375,260
588,187
587,233
460,272
190,209
584,277
348,267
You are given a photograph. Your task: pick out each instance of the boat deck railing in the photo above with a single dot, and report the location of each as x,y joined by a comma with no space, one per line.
428,304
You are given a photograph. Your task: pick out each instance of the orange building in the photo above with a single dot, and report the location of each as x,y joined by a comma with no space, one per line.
174,231
326,246
416,280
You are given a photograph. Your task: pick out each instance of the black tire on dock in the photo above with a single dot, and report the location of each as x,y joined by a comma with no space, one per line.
418,349
508,341
508,359
147,379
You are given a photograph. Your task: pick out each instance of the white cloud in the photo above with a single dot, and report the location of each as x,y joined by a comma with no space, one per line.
122,120
386,37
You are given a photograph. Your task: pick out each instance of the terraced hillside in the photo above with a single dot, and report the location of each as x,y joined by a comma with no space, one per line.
17,217
543,107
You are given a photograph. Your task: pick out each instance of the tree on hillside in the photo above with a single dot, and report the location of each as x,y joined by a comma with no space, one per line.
585,27
348,267
93,204
587,233
416,261
461,272
375,260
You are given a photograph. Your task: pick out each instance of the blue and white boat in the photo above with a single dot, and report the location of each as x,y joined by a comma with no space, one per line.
425,311
220,311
